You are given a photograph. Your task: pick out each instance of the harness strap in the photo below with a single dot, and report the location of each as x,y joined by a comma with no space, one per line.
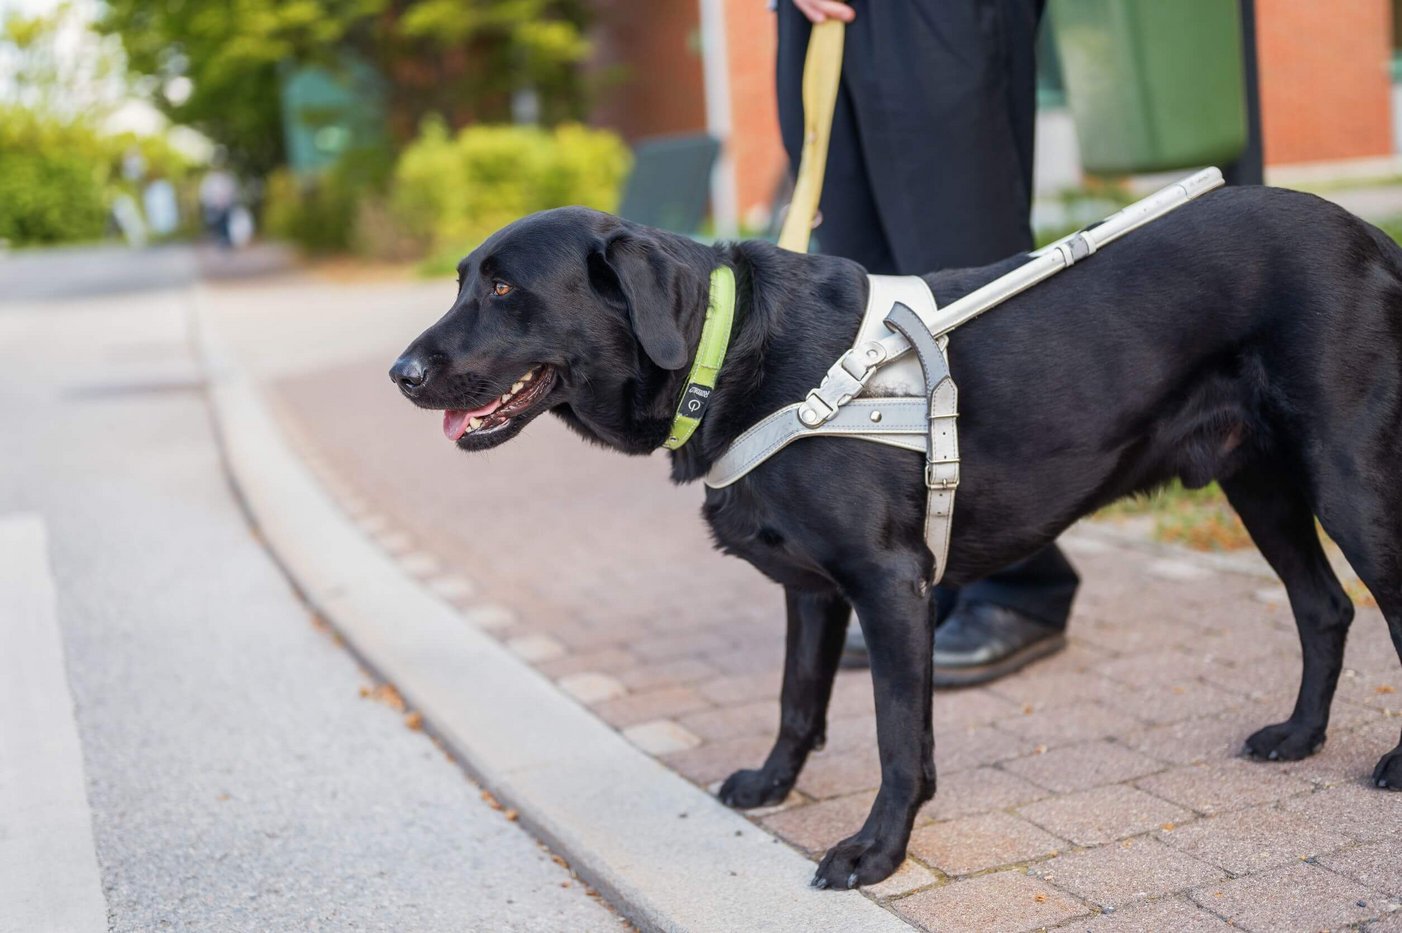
898,422
942,440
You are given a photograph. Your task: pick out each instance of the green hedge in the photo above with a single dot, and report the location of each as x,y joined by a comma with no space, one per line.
451,192
57,178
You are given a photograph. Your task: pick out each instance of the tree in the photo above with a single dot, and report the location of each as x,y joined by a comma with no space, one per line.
216,66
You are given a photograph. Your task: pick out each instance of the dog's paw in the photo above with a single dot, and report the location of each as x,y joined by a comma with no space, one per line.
1285,741
1388,773
856,861
754,788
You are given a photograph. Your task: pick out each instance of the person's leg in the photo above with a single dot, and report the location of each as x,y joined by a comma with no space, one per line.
1007,620
850,223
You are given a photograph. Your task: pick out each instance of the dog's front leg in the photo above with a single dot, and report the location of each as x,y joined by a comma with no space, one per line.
896,621
817,623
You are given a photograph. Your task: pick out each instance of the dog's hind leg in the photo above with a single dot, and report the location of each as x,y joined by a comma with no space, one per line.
816,626
1281,522
898,627
1365,520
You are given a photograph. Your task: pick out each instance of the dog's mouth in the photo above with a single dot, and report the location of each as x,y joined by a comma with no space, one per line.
496,416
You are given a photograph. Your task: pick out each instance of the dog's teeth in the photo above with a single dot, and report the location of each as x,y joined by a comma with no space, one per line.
505,397
528,376
474,424
517,387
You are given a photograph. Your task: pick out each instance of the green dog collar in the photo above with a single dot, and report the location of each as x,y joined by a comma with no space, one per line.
715,338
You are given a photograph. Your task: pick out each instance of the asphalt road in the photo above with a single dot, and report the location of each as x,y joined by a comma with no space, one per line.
237,779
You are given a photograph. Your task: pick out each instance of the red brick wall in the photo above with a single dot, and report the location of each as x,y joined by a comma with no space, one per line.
648,62
1325,84
754,143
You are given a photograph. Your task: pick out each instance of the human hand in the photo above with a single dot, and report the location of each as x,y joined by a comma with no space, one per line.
819,11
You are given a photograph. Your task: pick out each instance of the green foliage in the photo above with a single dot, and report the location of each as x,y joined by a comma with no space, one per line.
322,214
453,191
58,176
465,60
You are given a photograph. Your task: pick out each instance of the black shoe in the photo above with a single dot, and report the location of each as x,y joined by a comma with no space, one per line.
980,642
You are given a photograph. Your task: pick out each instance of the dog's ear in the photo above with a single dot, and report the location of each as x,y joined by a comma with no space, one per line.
634,270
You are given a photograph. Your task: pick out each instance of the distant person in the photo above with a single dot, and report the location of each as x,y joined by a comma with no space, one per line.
218,196
930,167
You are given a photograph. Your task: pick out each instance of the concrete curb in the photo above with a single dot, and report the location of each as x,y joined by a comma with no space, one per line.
49,876
667,854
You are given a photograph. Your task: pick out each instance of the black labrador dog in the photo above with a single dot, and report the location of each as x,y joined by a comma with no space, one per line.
1253,336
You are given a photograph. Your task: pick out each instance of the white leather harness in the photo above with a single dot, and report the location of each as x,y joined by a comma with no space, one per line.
876,393
902,405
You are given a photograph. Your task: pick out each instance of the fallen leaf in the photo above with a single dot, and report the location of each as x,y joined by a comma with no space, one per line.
1167,827
1040,898
414,720
512,815
1027,710
490,800
1384,688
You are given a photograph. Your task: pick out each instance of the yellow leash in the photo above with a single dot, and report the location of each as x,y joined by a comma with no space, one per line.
822,68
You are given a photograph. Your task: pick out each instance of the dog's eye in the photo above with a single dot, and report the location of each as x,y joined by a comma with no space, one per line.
500,288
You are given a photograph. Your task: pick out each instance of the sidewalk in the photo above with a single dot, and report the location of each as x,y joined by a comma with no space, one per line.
1103,788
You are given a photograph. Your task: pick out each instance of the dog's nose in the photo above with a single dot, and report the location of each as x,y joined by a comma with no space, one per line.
408,373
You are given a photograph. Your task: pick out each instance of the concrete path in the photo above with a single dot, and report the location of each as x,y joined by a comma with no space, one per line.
1104,788
243,773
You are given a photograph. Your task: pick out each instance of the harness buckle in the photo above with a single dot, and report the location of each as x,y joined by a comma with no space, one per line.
844,379
934,481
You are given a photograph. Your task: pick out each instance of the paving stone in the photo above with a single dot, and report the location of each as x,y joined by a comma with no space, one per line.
961,749
611,661
975,707
591,687
1223,786
1067,725
394,542
685,644
490,618
660,737
1253,840
1097,816
536,647
1044,691
911,876
1123,872
1002,901
1300,897
848,732
1348,754
1189,741
1175,701
420,564
976,843
1378,865
679,672
452,588
1176,914
729,722
715,760
1078,767
1389,923
666,703
966,793
742,688
816,827
1147,632
832,773
1359,809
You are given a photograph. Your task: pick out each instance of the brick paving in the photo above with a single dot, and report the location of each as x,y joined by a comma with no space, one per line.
1102,789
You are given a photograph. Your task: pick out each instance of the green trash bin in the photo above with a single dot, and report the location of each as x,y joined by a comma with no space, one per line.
1153,85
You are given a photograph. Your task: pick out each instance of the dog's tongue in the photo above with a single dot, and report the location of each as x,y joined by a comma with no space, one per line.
455,419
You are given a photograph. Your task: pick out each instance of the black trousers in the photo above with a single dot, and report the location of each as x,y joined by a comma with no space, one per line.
930,167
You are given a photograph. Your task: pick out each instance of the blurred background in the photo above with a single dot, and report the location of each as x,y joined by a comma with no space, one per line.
404,130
